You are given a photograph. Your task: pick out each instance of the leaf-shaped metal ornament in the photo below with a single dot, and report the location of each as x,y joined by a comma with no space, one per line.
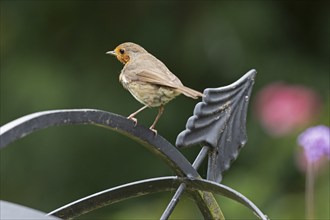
219,122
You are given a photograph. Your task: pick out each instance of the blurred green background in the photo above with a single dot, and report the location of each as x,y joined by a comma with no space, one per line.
53,57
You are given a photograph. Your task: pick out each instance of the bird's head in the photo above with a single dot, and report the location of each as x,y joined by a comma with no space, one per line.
126,51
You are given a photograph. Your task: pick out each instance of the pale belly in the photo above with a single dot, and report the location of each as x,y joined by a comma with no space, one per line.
151,95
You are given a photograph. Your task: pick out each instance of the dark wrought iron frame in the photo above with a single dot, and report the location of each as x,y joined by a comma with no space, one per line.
187,179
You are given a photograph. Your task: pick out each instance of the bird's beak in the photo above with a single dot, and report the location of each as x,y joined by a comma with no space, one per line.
112,52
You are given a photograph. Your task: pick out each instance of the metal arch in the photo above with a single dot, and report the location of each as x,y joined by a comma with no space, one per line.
28,124
217,188
115,194
155,143
149,186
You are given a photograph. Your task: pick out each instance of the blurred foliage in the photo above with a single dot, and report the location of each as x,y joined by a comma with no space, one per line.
53,57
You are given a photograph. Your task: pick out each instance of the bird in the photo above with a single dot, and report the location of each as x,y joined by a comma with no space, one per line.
148,80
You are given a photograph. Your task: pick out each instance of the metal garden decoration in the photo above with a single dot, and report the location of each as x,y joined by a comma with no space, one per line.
217,126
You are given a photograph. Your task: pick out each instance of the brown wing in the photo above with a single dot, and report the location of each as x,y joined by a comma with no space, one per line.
163,80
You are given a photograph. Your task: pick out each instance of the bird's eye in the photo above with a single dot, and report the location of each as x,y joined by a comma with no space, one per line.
121,51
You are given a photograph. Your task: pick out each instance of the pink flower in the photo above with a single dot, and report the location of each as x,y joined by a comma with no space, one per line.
282,108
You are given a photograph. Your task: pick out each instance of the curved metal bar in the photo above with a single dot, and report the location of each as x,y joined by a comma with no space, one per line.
217,188
148,186
40,120
155,143
116,194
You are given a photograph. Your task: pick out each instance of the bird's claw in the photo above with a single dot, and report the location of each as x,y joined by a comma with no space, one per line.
153,130
133,119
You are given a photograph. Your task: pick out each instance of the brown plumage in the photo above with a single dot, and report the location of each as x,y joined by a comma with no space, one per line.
148,79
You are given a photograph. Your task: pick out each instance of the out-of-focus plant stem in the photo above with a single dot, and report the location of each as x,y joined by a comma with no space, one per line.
310,177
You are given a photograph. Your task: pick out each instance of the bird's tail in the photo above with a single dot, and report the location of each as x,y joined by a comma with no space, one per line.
189,92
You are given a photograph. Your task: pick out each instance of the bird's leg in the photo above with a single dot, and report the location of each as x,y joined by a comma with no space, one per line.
160,112
131,116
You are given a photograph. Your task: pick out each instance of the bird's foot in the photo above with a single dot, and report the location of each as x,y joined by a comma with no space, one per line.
131,117
153,130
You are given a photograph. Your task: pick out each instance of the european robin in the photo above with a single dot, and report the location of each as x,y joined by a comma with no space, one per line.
148,79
